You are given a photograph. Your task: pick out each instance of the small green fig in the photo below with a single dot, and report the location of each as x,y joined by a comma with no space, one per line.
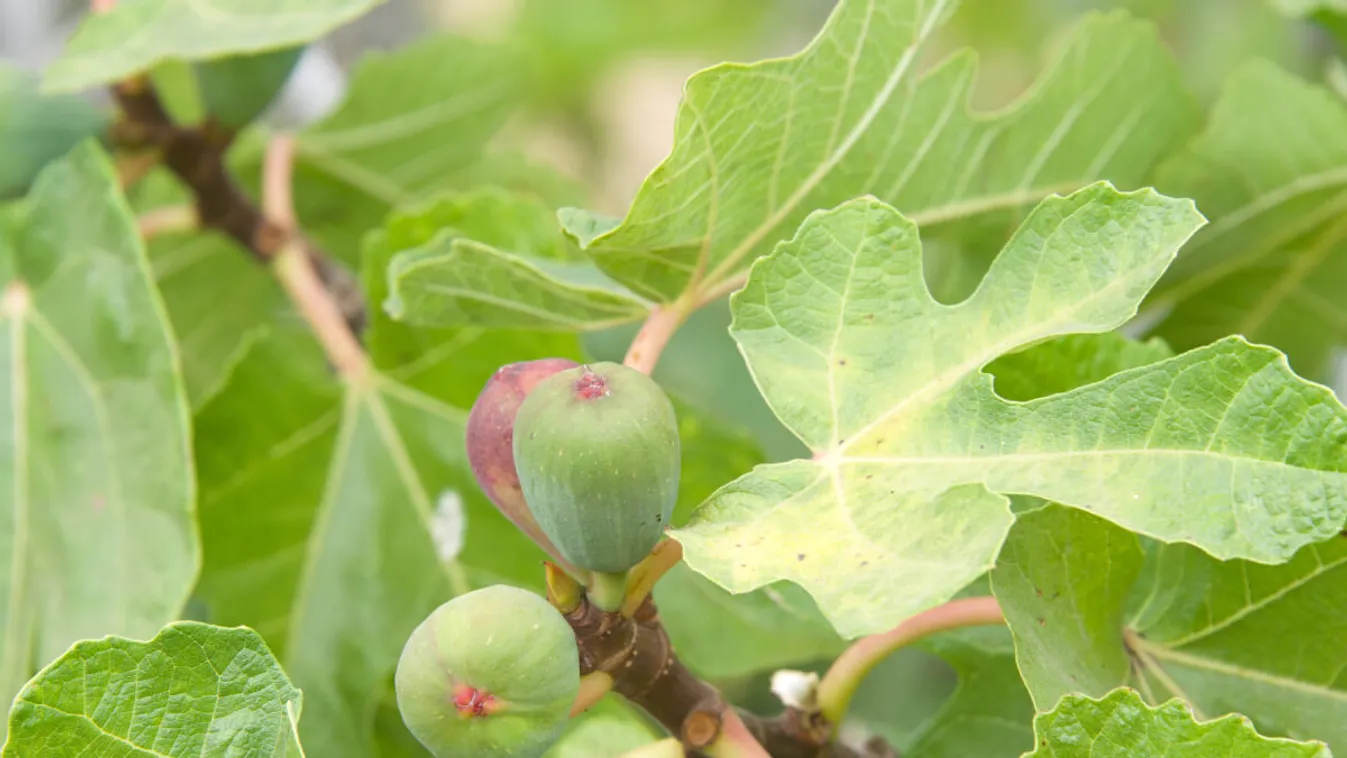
490,439
597,452
489,674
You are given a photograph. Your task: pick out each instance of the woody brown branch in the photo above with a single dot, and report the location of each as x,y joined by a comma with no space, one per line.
196,155
637,654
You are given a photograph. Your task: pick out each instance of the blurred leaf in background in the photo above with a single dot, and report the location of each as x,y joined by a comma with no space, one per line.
98,523
36,128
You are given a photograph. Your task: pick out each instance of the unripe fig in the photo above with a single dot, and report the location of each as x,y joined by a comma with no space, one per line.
598,456
489,674
491,439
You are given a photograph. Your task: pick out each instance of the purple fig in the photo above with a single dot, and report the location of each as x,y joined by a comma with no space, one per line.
491,439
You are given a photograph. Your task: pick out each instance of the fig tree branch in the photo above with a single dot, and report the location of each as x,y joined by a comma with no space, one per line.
196,155
635,651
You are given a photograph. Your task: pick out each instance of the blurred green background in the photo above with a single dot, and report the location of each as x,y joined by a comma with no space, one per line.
604,79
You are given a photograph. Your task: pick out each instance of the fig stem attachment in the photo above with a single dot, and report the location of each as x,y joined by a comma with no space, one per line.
563,591
850,668
593,686
608,591
642,577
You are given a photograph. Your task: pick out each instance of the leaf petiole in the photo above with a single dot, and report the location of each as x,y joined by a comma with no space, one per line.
845,675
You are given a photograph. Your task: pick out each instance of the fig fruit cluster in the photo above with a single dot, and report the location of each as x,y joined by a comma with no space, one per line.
585,460
489,674
591,469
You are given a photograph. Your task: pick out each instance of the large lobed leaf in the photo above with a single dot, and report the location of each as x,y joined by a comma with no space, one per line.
989,713
757,147
1090,612
134,36
217,297
96,519
452,363
1120,725
1270,171
499,260
37,128
193,690
910,442
412,122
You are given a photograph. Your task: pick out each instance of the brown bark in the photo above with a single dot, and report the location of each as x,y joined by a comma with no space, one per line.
196,155
637,653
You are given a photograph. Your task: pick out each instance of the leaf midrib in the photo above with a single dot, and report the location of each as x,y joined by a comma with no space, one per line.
877,104
357,395
1207,664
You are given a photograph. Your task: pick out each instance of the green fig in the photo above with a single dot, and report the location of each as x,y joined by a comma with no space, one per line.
597,452
489,674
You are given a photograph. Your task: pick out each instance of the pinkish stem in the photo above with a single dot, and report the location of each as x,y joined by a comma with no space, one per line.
847,672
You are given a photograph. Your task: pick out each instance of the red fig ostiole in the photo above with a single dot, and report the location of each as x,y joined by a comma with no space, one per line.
490,674
597,451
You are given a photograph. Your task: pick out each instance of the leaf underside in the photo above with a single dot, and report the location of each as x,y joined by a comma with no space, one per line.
95,460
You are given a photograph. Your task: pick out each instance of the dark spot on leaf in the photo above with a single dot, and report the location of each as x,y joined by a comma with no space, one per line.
1042,622
869,476
864,564
799,557
842,362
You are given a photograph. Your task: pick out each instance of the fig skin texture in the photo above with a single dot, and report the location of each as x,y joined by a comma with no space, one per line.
489,674
490,439
598,455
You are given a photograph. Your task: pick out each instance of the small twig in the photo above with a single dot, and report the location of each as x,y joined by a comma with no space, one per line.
847,672
166,220
296,271
278,201
654,335
196,156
